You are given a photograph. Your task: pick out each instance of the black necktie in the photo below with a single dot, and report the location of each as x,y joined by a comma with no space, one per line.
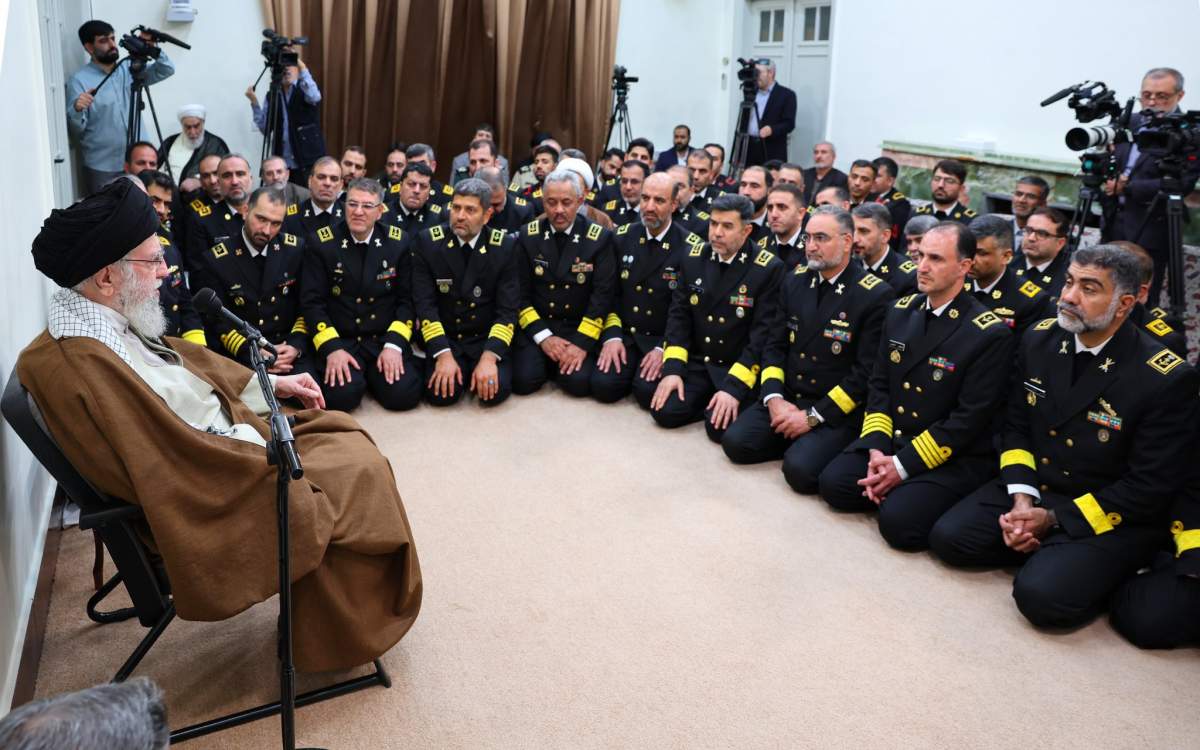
560,240
1079,364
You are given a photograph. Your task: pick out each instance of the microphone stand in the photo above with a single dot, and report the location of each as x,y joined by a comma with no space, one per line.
281,453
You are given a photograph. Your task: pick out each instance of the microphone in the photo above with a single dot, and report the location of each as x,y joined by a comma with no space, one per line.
207,302
1068,90
162,36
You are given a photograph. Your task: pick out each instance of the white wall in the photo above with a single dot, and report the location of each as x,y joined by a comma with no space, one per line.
224,60
960,74
25,503
681,51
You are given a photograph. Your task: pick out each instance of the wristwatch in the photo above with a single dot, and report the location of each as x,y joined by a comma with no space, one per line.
813,422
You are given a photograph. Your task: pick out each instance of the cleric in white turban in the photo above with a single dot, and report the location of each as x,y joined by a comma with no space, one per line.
184,150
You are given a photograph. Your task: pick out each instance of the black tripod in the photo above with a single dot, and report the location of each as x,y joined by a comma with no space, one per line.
139,96
1172,191
274,110
619,120
741,137
1095,168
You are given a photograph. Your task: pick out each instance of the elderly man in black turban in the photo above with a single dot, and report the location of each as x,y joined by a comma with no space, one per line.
178,430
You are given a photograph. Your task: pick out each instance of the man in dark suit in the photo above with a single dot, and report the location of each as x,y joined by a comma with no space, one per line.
1127,199
682,138
773,118
822,173
298,136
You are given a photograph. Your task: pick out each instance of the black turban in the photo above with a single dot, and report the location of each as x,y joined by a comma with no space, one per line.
102,228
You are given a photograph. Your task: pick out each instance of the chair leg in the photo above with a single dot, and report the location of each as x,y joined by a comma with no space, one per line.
117,615
143,647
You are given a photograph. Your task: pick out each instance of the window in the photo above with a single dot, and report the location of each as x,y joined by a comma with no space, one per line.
816,23
770,26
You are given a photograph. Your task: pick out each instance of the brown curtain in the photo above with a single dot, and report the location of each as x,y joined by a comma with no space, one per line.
430,70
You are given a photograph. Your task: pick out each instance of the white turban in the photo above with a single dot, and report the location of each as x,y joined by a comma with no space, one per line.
579,167
192,110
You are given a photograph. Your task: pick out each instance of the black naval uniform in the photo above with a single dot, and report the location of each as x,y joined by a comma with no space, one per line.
175,297
1018,302
621,212
819,358
693,220
648,273
791,251
466,299
207,226
1161,608
958,212
702,201
305,219
934,391
440,193
897,270
358,297
1098,439
720,317
264,291
567,283
1051,278
515,216
427,216
901,210
1157,324
532,194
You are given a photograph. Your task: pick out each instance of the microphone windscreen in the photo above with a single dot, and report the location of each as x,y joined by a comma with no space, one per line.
206,301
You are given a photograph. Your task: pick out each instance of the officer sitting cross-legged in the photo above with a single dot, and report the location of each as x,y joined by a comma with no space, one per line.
817,360
465,292
721,314
1099,430
937,383
357,302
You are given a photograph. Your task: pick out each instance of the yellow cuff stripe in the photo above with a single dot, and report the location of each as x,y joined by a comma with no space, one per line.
876,422
502,332
590,327
431,329
300,326
527,316
196,336
675,352
233,341
1017,458
322,336
1186,540
402,328
842,399
931,453
772,373
747,375
1094,514
612,320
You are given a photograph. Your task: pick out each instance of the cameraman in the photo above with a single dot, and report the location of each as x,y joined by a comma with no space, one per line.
298,137
773,117
98,120
1127,198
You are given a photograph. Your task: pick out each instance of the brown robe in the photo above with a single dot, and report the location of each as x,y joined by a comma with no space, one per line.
210,500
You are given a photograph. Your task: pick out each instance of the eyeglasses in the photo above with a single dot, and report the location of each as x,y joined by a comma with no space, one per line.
1041,234
1158,96
355,206
156,260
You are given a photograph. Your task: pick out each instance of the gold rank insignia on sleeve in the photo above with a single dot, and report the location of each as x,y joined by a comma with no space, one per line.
289,239
394,188
1030,289
162,240
219,250
1165,361
610,205
1044,325
904,302
531,229
395,233
593,232
436,233
985,319
763,258
497,237
623,228
1159,327
435,208
325,234
908,266
869,281
293,209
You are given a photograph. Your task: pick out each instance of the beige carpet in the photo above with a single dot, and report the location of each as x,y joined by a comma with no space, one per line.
592,581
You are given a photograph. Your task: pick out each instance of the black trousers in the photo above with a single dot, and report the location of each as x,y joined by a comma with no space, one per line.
609,387
1065,583
698,390
750,440
531,368
910,510
1158,609
400,395
467,364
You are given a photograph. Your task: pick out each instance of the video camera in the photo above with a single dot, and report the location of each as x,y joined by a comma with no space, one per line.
275,49
143,50
748,75
1169,132
622,79
1090,101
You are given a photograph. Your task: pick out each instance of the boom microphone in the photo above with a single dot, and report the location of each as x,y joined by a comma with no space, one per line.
207,302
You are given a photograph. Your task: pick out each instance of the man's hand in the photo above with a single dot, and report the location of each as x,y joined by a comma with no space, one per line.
651,366
446,375
554,347
337,367
84,100
571,359
147,38
391,364
1115,186
612,354
286,359
669,384
300,386
787,419
724,408
881,477
253,97
485,381
189,184
1025,525
765,131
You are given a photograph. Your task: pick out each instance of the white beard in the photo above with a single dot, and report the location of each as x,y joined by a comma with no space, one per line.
193,145
140,306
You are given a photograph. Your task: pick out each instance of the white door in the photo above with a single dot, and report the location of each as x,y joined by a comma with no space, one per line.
51,13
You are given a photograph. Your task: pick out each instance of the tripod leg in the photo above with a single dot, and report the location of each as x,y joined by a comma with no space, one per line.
158,131
1175,285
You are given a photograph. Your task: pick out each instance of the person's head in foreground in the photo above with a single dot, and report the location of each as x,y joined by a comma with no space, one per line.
122,715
